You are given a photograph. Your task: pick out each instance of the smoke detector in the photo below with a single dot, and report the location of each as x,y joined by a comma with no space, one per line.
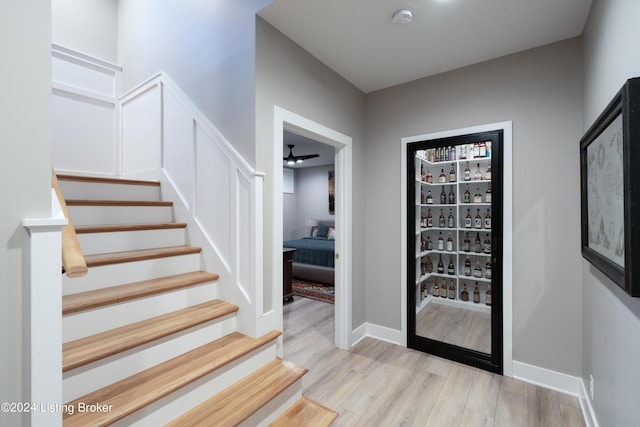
402,16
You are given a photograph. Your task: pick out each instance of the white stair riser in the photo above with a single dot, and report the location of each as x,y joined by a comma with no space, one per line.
101,215
81,381
96,243
128,272
86,323
107,191
276,407
172,406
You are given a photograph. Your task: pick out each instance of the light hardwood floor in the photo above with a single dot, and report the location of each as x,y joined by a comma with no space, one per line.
377,384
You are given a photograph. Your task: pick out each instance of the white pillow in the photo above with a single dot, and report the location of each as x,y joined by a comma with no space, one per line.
331,235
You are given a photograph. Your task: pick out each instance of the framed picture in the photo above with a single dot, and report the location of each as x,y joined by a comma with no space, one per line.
610,182
332,193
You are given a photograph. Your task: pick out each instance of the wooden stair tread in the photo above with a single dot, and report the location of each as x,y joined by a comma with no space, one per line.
306,412
88,229
95,347
239,401
91,202
124,181
83,301
139,255
130,394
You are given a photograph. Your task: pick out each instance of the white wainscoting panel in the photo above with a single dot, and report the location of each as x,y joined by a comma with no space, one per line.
178,146
213,194
84,113
83,134
141,127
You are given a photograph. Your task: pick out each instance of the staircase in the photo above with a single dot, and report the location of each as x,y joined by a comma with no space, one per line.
145,339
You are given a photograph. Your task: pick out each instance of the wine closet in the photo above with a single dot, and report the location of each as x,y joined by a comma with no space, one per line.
454,253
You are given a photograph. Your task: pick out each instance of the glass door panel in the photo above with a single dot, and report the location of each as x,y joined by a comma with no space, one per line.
454,230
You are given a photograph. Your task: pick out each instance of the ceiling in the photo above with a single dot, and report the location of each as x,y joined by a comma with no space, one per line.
304,145
357,39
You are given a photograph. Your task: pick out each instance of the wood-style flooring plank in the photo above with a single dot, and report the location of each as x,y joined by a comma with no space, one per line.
306,412
438,392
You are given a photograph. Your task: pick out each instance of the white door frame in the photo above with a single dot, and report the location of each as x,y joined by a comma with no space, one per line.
507,230
284,119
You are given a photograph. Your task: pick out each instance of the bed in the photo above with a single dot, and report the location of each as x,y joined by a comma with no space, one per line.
314,257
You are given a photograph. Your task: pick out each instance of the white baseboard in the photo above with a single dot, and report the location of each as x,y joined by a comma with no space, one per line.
382,333
547,378
587,409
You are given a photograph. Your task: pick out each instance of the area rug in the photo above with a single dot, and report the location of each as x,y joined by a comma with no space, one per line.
317,291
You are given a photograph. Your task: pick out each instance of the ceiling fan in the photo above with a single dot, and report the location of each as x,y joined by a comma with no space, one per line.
291,159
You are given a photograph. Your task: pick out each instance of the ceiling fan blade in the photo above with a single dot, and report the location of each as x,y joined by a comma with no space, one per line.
308,156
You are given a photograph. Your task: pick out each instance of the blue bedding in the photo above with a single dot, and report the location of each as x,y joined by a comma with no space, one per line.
312,250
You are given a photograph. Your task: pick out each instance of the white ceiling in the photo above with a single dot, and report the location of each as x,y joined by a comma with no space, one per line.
357,39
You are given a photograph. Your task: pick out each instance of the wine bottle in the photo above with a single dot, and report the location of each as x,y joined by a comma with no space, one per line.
441,220
451,220
467,219
467,195
450,243
477,176
429,198
443,289
483,149
446,154
487,270
429,244
487,219
440,242
452,174
487,196
436,289
478,220
452,196
429,219
487,296
478,247
466,246
429,264
451,268
442,178
423,221
467,267
464,294
487,174
422,198
452,153
476,294
440,266
487,244
431,156
463,152
476,150
467,173
452,290
477,270
423,177
437,156
477,198
443,197
429,177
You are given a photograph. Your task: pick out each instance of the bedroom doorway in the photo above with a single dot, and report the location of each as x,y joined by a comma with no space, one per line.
287,122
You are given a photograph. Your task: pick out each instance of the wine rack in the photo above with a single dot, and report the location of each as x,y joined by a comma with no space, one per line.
453,226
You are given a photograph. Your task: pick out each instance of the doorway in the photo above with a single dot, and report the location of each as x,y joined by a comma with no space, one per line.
285,120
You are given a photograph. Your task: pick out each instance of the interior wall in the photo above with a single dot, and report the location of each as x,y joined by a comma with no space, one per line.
313,197
540,91
88,26
25,173
207,48
287,76
611,318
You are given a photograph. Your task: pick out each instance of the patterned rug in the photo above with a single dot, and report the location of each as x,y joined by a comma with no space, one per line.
315,291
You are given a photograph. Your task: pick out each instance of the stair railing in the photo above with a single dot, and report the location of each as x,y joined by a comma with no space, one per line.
73,262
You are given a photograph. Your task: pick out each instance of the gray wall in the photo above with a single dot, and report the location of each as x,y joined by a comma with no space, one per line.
312,193
289,77
207,47
540,90
88,26
25,174
611,318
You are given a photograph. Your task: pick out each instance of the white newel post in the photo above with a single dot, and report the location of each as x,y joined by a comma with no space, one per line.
45,317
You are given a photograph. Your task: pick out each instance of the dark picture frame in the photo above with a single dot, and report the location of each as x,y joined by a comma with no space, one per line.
610,185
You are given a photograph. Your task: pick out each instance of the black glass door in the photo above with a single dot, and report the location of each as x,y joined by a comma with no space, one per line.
454,247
